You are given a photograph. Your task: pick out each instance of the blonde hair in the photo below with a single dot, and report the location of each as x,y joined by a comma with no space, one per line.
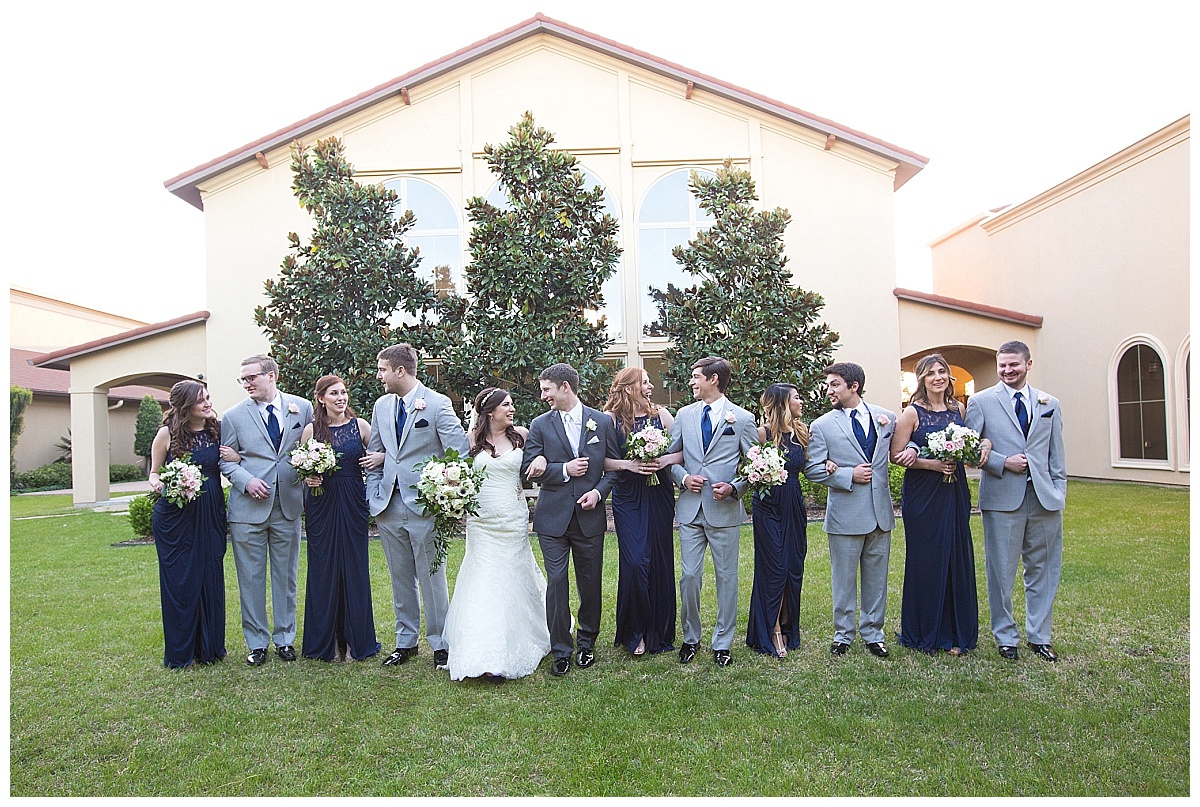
777,415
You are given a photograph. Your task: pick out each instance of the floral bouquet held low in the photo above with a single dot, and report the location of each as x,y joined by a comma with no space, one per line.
763,468
181,482
448,488
313,458
954,443
647,445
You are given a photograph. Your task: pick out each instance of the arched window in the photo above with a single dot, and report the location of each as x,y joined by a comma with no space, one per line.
1142,404
613,288
668,217
436,231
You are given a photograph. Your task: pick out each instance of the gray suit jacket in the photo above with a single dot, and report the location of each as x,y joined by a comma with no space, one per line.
557,498
991,414
243,430
852,509
428,432
730,442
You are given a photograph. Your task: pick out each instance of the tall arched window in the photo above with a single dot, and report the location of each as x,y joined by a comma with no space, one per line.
1142,404
668,217
436,231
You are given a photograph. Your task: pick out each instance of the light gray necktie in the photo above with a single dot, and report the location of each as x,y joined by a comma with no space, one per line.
572,430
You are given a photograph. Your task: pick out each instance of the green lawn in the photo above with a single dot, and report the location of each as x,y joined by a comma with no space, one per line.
94,713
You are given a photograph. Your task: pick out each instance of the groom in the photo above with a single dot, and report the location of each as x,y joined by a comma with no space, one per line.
409,424
265,503
858,515
565,453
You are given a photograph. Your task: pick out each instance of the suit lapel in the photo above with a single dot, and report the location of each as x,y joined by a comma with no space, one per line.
409,419
560,429
843,422
1006,403
252,407
872,426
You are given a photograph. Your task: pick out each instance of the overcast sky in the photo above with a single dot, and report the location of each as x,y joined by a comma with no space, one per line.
105,101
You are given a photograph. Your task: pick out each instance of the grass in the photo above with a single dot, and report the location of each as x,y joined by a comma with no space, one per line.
94,713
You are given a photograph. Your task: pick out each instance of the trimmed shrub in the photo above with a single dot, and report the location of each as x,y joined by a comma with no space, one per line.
55,476
815,494
895,481
140,510
125,473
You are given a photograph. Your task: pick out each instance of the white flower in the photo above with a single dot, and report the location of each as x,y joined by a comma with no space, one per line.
730,417
590,425
1043,398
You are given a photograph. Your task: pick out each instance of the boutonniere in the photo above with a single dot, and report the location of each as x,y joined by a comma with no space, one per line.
590,425
418,404
730,417
295,410
1043,398
882,420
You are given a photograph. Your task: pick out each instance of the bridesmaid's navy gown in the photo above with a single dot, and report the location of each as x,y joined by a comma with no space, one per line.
780,546
644,516
939,609
337,597
190,542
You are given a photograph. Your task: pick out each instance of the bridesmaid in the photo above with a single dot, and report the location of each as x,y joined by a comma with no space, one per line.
338,619
644,516
939,609
780,531
190,541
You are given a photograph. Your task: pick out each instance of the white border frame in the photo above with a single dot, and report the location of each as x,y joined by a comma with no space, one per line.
1114,420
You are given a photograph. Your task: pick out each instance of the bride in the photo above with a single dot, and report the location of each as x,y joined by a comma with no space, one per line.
496,626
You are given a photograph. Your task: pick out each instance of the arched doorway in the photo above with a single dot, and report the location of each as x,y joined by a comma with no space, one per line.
973,368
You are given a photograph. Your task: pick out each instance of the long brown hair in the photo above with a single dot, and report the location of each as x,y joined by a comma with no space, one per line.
624,397
923,368
777,415
184,395
320,416
485,403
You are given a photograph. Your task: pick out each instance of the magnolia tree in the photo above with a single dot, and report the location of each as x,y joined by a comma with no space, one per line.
352,289
149,420
533,285
743,305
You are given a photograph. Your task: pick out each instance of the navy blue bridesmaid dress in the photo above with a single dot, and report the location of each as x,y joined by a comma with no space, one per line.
337,596
190,542
780,547
940,608
644,517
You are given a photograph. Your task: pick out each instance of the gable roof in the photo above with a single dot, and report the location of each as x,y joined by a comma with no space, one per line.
57,383
61,359
185,185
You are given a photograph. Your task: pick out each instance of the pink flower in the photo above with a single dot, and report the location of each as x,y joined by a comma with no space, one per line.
418,404
1043,398
882,420
730,417
295,410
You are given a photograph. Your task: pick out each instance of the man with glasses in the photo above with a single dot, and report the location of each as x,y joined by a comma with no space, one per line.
265,504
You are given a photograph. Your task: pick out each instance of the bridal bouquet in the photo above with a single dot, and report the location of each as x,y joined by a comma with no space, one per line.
648,444
313,458
954,443
181,481
763,468
448,487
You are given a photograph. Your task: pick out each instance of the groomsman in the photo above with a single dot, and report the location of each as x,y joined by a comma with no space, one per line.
858,515
1022,494
714,434
409,424
265,504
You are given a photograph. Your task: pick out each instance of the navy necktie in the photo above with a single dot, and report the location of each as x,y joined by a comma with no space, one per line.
706,428
273,426
1022,415
859,434
401,416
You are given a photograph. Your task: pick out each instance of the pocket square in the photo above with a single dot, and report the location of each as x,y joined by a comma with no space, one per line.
728,431
593,440
420,424
1048,414
296,426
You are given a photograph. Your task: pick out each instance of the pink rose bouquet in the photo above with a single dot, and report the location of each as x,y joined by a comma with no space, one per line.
648,444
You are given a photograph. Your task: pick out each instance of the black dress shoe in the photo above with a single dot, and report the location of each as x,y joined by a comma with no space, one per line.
441,659
257,657
561,665
839,649
399,656
585,658
1008,651
1043,651
877,649
492,678
687,653
287,652
722,658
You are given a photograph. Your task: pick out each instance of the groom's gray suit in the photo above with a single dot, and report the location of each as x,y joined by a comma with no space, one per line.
265,527
430,428
706,522
858,518
1022,512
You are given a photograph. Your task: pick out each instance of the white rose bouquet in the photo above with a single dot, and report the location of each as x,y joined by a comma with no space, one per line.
448,488
181,482
763,468
954,443
648,444
313,458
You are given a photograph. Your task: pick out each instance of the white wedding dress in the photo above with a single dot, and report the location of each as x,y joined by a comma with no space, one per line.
497,618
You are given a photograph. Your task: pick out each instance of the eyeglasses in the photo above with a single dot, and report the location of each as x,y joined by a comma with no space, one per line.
249,379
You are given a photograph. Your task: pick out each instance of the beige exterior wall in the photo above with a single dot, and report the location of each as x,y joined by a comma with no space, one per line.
45,324
630,128
48,419
1104,257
